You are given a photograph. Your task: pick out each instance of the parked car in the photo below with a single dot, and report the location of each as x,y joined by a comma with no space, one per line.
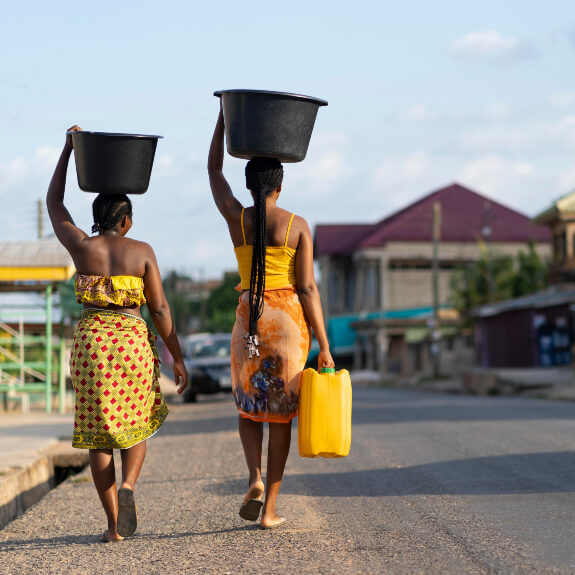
207,358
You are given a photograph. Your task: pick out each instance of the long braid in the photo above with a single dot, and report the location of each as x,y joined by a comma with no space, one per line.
263,176
108,210
258,273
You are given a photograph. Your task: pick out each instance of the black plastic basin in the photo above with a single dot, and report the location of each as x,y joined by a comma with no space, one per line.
268,124
114,163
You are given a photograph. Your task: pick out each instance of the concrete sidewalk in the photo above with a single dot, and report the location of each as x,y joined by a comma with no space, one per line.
32,448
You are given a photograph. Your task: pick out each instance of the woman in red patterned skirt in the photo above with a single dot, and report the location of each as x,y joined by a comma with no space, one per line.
114,365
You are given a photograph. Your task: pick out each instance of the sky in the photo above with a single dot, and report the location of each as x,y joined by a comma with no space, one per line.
421,94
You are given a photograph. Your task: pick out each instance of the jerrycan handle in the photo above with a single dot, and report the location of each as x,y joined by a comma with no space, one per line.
327,370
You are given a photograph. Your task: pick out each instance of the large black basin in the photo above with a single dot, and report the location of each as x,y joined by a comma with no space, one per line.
114,163
268,124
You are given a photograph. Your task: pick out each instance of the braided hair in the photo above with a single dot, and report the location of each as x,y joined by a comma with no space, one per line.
108,210
263,176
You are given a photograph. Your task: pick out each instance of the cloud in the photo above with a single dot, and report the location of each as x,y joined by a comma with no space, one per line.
19,169
492,112
543,136
399,180
165,164
417,114
490,45
326,168
496,112
567,180
487,172
561,100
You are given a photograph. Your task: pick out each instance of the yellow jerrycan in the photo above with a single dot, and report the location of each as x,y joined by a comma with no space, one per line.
324,419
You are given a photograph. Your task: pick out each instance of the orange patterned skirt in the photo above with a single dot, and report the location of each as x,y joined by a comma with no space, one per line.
115,374
266,388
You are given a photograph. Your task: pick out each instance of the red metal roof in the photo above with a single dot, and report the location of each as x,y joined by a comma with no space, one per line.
465,214
340,238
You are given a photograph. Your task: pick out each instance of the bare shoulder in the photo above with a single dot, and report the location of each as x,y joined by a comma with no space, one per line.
142,249
300,232
139,245
300,224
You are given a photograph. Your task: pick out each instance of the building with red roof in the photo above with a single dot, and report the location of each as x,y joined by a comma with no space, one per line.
377,272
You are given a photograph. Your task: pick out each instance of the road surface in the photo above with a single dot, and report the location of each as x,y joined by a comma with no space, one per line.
434,484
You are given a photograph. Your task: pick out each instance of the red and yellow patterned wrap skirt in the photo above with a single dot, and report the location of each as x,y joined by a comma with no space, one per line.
266,388
115,373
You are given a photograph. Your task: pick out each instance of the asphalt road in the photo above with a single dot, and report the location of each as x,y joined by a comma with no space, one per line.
434,484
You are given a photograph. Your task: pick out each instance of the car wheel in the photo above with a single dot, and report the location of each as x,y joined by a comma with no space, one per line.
190,395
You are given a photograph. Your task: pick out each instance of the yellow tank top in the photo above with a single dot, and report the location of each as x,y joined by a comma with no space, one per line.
280,262
102,291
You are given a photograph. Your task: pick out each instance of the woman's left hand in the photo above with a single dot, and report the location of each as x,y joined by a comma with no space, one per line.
180,376
324,360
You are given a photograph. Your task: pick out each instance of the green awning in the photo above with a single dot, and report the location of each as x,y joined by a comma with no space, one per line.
420,333
416,334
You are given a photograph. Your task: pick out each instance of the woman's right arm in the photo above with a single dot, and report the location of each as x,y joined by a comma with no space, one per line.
309,295
225,200
162,317
62,222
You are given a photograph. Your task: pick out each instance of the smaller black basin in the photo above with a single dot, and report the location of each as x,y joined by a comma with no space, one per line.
114,163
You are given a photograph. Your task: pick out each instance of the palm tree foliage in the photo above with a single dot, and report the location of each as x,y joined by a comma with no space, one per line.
495,278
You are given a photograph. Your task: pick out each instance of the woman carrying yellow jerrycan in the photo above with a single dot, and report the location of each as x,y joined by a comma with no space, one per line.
271,337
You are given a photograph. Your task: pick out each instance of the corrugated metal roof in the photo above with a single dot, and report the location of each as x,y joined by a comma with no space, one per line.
464,215
39,253
549,298
339,238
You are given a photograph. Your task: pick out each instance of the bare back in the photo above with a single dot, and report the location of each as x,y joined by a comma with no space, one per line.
111,256
277,222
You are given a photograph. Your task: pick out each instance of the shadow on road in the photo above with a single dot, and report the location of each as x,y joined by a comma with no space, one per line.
497,475
207,425
469,410
67,540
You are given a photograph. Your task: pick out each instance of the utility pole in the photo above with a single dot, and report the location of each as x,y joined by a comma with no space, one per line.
40,222
203,300
486,232
435,334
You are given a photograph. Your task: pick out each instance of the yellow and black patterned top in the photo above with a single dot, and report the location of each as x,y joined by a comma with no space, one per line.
102,291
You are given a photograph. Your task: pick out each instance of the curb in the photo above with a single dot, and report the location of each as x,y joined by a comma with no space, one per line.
21,488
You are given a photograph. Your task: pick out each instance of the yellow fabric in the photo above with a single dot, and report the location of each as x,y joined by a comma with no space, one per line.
116,378
102,291
280,266
280,262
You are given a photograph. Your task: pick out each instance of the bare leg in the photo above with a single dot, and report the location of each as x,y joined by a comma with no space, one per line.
252,435
132,460
104,475
278,450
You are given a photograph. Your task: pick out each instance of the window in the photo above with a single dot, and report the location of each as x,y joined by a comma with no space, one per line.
560,246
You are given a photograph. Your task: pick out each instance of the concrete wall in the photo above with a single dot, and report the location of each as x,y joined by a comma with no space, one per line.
413,288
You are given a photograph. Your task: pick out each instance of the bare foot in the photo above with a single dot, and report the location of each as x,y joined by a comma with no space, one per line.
108,536
269,521
255,491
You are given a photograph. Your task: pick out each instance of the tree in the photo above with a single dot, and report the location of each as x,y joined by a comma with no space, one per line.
222,303
492,279
531,273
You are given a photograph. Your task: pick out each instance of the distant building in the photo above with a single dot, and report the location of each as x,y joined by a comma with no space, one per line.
378,277
560,219
543,324
30,312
